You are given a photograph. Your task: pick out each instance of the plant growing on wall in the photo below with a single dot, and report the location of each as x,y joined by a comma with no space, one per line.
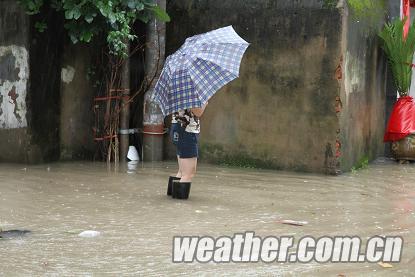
367,8
85,19
368,11
399,52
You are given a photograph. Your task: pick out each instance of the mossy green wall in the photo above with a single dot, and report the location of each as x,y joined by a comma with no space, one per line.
292,107
280,113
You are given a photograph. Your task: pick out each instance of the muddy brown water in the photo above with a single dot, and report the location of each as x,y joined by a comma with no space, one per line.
137,220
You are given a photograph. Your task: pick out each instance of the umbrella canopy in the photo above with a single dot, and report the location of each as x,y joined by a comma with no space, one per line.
203,65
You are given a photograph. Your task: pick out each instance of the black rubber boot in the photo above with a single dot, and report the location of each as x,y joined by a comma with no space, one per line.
181,190
170,184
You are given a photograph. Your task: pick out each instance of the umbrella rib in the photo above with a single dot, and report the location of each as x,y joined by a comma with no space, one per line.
199,68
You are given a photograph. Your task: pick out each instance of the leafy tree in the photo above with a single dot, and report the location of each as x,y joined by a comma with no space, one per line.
85,19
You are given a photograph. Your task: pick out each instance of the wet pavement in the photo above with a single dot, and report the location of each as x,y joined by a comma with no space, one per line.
136,220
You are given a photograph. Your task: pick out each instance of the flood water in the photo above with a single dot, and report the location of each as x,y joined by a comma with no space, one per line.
137,220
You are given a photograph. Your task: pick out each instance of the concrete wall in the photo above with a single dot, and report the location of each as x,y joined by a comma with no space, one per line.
44,92
14,78
29,91
46,96
310,96
294,106
77,93
363,95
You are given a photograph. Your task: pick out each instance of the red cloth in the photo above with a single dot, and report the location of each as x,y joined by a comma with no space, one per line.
402,120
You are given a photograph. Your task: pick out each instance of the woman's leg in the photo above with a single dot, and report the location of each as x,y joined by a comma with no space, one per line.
174,136
179,172
188,169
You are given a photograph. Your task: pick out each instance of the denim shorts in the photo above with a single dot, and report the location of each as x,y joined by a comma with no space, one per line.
187,145
174,133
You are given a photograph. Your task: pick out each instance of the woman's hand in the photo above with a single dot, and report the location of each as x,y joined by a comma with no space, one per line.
199,111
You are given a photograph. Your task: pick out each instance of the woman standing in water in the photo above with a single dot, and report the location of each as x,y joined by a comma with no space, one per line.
185,135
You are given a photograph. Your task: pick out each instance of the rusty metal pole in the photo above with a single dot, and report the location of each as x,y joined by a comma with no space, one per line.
125,108
153,120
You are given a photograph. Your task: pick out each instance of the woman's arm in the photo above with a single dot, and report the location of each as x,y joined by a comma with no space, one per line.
199,111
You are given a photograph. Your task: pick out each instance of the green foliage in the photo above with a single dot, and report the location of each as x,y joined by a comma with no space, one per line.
360,8
361,164
41,26
330,4
85,19
368,12
399,52
160,14
218,154
365,8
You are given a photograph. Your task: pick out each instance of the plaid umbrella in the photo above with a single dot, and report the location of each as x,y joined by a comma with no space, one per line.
203,65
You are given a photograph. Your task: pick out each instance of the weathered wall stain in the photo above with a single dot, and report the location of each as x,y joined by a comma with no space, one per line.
8,70
339,104
339,70
329,159
338,148
13,97
12,22
67,74
1,104
14,76
339,107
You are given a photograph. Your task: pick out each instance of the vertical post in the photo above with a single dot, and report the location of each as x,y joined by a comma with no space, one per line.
125,108
153,120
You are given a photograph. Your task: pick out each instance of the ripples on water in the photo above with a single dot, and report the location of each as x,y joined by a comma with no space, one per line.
137,221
